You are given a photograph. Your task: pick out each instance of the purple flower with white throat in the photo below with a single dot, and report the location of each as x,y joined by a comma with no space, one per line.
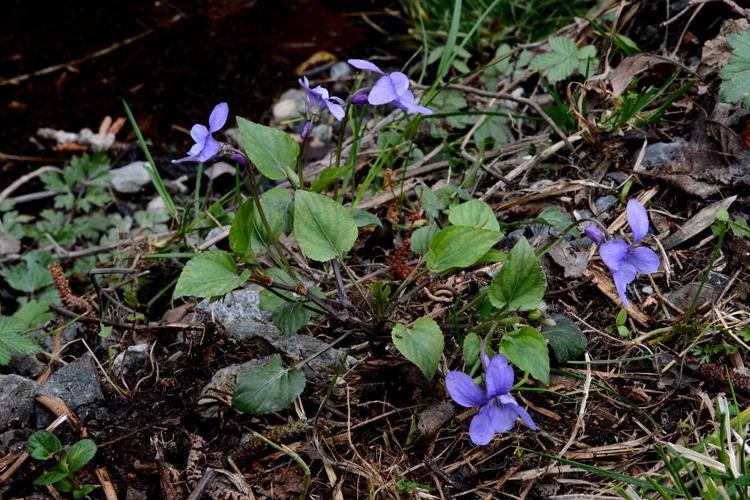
625,260
391,88
318,98
206,147
498,410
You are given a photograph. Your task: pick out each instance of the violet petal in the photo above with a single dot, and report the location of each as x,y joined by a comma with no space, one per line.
480,429
218,117
637,219
643,259
210,149
623,277
464,390
499,376
335,109
503,417
382,92
613,252
400,83
199,133
365,65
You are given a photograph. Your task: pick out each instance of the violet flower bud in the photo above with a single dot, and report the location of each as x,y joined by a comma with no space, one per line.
360,97
306,128
593,232
238,157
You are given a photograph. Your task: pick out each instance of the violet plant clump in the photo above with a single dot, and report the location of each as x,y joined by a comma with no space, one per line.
206,147
391,88
625,260
498,410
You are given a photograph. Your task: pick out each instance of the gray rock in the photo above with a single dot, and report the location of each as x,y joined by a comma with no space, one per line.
12,442
683,296
130,360
434,417
222,383
321,132
17,398
269,340
290,105
131,178
134,494
47,341
233,136
214,233
9,244
605,203
340,71
218,169
662,153
77,384
239,306
27,364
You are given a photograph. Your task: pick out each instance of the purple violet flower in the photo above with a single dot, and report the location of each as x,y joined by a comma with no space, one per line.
318,97
626,261
206,147
392,88
498,410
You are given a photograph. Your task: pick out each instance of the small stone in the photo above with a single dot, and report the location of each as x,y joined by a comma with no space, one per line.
605,203
648,290
290,105
27,364
77,384
156,204
218,169
238,306
12,442
134,494
233,136
340,71
131,178
17,397
662,153
434,417
321,132
131,359
47,342
9,244
223,382
214,233
710,292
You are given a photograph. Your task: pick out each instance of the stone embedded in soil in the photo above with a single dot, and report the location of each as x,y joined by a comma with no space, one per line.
238,306
605,203
340,71
714,287
27,364
12,442
269,340
434,417
296,347
135,494
77,384
17,398
130,178
223,382
130,360
290,105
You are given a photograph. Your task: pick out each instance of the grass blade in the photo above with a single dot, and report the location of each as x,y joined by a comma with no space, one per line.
153,172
